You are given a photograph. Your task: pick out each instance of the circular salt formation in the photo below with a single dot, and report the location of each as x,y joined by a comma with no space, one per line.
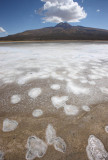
104,90
50,134
37,113
9,125
106,129
34,93
55,86
59,144
95,149
71,110
59,102
35,148
1,155
15,99
86,108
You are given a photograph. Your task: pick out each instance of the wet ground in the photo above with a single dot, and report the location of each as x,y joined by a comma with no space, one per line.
81,72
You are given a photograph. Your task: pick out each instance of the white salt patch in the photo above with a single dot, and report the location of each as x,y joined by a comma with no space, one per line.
26,78
83,67
71,87
51,139
44,76
71,110
59,102
34,93
84,81
55,86
64,72
23,80
59,144
104,90
37,113
8,79
1,155
73,76
60,78
9,125
95,149
86,108
92,82
50,134
18,72
94,76
35,148
106,129
68,80
15,99
54,75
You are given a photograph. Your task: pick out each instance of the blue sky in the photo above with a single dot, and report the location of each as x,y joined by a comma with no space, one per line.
19,15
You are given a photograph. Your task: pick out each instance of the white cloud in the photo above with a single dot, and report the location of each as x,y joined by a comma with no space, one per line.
62,11
98,10
2,30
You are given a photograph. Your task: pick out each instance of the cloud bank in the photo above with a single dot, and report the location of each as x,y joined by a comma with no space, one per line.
2,30
62,11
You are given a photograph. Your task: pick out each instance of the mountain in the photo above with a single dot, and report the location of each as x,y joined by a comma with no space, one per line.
62,31
63,25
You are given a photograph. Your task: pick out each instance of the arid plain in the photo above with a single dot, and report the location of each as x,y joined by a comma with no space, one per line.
54,101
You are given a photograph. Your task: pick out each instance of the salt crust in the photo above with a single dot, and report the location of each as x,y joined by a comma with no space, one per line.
37,113
95,149
34,93
52,139
9,125
15,99
35,148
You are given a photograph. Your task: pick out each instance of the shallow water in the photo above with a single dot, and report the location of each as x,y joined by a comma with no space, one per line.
67,81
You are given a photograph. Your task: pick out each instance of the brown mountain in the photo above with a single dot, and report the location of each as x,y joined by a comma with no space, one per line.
62,31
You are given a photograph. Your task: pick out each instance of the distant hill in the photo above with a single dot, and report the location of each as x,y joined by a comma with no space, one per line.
62,31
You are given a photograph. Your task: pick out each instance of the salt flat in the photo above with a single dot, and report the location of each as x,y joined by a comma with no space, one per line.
65,84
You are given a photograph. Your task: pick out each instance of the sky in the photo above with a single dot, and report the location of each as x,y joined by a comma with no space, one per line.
20,15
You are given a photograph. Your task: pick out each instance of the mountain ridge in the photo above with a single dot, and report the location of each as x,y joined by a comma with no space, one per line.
62,31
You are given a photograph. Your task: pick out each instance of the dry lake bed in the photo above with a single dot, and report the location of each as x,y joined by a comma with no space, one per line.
54,101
